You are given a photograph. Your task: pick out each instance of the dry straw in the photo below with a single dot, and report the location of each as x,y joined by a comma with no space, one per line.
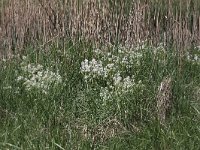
42,22
164,99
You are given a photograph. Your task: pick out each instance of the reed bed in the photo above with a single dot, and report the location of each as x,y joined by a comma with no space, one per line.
40,22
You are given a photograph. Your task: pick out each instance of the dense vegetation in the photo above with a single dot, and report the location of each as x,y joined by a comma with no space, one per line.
97,98
71,86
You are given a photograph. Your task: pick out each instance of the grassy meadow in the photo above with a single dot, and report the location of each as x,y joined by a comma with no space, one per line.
93,79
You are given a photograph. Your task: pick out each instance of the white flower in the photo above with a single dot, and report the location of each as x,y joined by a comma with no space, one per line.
24,57
128,82
109,54
198,47
196,58
117,79
110,65
20,78
94,68
105,73
85,66
125,60
97,51
110,59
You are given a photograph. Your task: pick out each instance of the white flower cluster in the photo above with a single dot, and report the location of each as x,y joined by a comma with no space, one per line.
130,55
120,87
95,69
110,63
111,67
92,68
34,76
123,84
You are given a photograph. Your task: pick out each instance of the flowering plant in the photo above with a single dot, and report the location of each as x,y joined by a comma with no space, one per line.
35,77
113,72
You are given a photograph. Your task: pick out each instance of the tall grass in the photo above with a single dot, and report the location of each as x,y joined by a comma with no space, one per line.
174,22
73,115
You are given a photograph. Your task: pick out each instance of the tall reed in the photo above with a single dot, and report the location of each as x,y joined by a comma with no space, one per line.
42,22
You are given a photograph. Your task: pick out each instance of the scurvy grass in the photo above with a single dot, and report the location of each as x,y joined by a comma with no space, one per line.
36,77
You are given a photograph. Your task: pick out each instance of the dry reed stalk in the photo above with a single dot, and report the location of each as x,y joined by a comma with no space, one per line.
174,22
164,99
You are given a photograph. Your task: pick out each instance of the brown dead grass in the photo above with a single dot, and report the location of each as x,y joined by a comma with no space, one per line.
164,99
42,22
